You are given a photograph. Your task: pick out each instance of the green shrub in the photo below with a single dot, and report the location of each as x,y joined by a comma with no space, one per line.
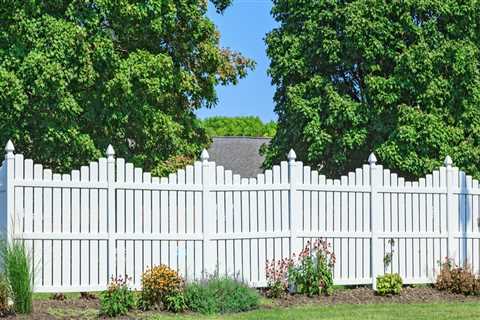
175,302
220,295
118,299
455,279
19,274
312,274
5,297
390,283
201,298
158,283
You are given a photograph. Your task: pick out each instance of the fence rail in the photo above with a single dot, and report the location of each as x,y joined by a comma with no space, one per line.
110,218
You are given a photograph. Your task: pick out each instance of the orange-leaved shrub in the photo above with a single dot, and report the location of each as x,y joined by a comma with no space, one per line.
456,279
158,284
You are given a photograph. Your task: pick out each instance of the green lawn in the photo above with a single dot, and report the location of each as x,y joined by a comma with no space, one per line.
437,311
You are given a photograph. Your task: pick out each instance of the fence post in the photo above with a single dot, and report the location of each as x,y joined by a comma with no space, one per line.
375,181
293,201
450,207
9,191
112,252
209,218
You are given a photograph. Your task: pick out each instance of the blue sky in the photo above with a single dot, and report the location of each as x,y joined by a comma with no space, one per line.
243,27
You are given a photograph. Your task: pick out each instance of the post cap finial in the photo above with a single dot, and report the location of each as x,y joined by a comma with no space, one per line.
110,151
9,148
291,155
204,156
372,159
448,161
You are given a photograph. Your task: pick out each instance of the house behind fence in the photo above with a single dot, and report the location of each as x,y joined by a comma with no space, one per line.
110,218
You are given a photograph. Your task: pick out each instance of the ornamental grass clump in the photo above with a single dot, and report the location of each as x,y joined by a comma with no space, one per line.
19,273
220,295
162,288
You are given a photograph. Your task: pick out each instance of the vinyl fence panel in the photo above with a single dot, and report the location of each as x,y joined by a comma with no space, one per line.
110,218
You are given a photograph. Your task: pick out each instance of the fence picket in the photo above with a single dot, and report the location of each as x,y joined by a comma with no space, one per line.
107,200
156,214
190,226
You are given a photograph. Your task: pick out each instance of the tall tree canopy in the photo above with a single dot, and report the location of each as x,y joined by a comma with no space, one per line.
77,75
248,126
400,78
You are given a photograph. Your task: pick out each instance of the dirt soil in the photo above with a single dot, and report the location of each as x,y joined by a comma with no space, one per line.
367,296
88,309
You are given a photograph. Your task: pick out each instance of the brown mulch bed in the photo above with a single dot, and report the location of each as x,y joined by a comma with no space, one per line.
85,308
88,308
66,309
364,295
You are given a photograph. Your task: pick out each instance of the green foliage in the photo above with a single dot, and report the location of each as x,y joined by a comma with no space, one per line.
390,283
312,273
118,299
276,289
220,295
5,297
400,78
163,169
175,302
78,75
199,298
387,258
19,272
239,126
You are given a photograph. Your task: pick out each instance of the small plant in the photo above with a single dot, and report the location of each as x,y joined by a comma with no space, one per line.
87,296
158,283
19,274
455,279
58,296
387,259
220,295
277,277
118,299
312,274
390,283
6,303
175,302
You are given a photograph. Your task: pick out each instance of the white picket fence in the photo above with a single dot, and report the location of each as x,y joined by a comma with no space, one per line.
110,218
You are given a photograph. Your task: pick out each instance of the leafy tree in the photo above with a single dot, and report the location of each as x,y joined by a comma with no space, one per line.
400,78
249,126
78,75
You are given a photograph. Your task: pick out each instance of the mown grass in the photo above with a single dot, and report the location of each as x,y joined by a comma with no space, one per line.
438,311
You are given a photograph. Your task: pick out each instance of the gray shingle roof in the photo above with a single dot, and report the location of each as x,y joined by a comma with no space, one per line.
239,154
